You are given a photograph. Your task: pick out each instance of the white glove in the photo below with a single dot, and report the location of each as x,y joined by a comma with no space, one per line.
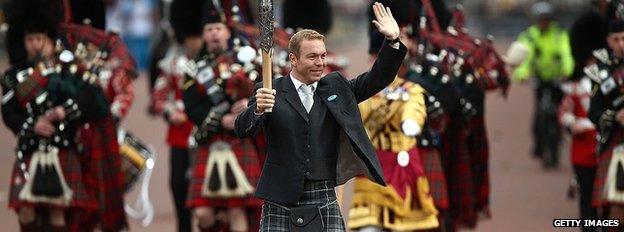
410,127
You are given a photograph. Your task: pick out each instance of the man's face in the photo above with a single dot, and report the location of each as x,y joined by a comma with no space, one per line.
192,45
616,43
310,63
543,23
37,45
216,36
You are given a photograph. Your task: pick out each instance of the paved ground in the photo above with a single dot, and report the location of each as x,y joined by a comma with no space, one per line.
524,197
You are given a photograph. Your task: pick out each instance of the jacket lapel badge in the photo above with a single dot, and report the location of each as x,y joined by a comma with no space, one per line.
332,97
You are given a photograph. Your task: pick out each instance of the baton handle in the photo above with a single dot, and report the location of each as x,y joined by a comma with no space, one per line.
267,73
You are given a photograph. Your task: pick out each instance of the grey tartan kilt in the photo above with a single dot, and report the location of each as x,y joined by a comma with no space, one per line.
276,217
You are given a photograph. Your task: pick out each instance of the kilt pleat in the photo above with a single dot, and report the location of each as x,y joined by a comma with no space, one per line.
103,175
247,157
478,149
459,176
436,177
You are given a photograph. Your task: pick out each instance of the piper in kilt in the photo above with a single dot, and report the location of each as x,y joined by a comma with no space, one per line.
47,97
226,169
607,113
438,98
468,164
442,103
104,176
456,69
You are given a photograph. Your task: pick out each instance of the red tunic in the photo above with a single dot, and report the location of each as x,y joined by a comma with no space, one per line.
573,110
167,97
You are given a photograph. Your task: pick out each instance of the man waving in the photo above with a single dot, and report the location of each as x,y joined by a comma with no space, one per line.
315,136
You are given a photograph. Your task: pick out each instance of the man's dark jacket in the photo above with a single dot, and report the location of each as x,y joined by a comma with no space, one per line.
283,173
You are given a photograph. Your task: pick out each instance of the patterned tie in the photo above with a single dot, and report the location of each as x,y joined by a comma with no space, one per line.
308,99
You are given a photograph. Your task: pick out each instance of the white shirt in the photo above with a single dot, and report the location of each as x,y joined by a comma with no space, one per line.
298,85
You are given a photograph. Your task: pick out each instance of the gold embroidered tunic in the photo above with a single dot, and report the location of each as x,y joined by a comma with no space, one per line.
392,118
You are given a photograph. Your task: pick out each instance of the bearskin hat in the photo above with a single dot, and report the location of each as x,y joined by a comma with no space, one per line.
616,26
30,16
308,14
587,34
186,18
440,9
212,12
93,10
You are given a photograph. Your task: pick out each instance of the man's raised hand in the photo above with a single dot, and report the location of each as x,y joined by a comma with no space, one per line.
385,22
265,99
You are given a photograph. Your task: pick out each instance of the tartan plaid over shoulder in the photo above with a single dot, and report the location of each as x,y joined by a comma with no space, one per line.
118,85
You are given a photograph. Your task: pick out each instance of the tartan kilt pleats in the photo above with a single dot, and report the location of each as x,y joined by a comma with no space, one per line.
602,169
103,176
479,152
69,161
459,175
436,177
248,159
